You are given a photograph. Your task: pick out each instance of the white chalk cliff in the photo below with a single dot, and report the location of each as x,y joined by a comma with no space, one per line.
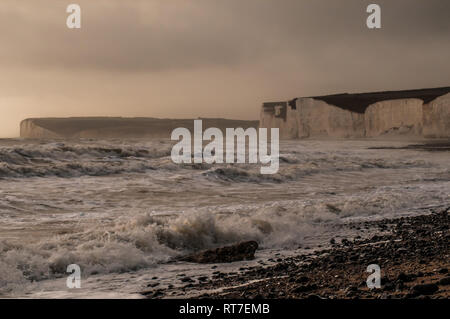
421,113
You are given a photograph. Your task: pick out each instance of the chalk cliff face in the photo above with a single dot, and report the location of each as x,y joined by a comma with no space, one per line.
287,123
318,118
426,114
394,117
436,118
104,127
28,128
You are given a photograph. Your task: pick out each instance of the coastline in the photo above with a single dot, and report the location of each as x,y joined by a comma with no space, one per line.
412,252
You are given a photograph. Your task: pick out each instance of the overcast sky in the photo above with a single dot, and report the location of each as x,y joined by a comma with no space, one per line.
209,58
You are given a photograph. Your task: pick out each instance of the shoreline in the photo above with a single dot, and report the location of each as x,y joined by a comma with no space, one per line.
412,252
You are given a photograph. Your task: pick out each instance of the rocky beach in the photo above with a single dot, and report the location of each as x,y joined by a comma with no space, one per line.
412,252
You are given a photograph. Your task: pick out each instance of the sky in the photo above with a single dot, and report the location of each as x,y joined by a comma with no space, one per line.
209,58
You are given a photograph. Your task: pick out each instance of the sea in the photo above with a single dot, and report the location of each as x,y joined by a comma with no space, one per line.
124,212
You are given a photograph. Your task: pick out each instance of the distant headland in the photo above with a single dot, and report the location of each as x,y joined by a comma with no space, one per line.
116,127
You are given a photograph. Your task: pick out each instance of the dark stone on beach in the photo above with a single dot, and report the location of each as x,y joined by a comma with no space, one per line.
424,289
228,254
389,287
444,281
157,294
405,278
186,279
302,280
281,267
303,288
387,284
400,286
346,242
352,288
351,291
153,294
443,270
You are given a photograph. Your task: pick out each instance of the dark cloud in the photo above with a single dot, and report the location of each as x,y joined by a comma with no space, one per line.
189,58
142,36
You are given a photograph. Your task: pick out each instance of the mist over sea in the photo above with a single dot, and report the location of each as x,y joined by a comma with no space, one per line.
122,210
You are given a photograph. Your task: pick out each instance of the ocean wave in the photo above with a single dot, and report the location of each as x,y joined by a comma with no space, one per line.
97,158
296,170
146,239
63,160
74,169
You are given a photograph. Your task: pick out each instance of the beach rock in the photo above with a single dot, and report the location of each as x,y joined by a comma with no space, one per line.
351,291
346,242
153,294
405,278
444,281
389,287
303,288
302,280
228,254
425,289
186,279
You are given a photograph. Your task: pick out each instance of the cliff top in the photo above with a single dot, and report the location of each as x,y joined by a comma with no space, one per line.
358,102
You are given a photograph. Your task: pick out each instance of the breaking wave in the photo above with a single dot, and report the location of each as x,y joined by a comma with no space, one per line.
64,160
296,170
145,240
75,159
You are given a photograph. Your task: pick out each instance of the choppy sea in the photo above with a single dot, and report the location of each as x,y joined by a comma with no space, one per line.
122,210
